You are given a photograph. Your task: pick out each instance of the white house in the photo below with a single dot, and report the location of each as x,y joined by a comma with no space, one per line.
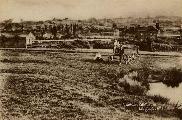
59,36
48,36
29,39
170,32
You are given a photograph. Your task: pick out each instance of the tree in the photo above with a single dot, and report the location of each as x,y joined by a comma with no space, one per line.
7,24
21,20
9,21
74,29
54,31
114,26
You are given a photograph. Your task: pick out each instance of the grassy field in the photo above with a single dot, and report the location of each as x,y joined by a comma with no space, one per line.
55,86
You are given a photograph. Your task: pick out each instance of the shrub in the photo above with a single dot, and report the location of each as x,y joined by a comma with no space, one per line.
172,77
81,44
66,44
159,99
113,74
133,89
178,113
142,77
178,110
22,61
102,45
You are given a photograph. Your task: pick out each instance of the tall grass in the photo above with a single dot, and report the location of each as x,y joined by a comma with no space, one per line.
178,110
134,89
22,61
45,97
142,76
159,99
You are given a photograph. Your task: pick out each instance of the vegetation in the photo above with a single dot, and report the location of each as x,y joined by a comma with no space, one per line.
172,77
102,45
178,110
74,44
22,61
134,89
68,86
159,99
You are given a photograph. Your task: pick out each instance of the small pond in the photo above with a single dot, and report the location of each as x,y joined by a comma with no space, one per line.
174,94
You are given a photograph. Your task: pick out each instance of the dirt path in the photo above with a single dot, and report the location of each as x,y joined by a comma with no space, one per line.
103,51
110,51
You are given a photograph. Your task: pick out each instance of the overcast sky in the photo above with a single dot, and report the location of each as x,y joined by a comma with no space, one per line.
82,9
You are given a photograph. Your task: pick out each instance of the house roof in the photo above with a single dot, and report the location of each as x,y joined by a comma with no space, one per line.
59,34
25,35
7,35
168,35
172,28
48,33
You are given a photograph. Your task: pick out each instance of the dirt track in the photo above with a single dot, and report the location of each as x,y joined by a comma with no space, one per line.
103,51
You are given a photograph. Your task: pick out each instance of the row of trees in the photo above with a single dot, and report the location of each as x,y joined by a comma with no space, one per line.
69,30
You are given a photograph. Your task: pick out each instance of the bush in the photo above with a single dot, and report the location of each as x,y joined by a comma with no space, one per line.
133,89
144,46
159,99
142,77
113,74
172,77
81,44
102,45
22,61
74,44
66,44
178,110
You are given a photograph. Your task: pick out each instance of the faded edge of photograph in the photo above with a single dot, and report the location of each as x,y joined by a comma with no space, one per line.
90,60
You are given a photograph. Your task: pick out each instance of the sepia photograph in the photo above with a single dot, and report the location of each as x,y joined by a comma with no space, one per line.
90,59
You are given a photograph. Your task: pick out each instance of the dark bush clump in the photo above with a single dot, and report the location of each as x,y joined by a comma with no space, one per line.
142,77
172,77
102,45
81,44
133,89
159,99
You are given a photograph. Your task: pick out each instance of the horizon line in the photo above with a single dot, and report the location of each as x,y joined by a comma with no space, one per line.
72,18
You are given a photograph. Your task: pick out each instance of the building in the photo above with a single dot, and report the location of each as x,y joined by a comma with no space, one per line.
116,33
48,36
59,36
30,38
8,40
170,32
